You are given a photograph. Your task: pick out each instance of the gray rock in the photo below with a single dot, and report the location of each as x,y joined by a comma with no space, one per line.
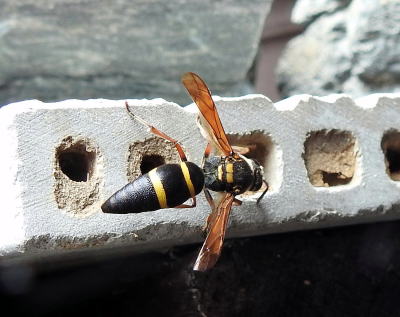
306,11
354,51
137,49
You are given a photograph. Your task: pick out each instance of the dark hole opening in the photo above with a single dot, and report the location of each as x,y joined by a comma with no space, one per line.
151,161
256,146
391,148
335,179
256,151
75,165
393,158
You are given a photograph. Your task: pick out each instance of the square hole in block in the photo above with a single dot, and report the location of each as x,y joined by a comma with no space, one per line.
77,179
391,148
259,146
145,155
330,157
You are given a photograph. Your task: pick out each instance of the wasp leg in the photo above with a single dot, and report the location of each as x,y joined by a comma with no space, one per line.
209,198
207,153
157,132
264,192
213,215
188,206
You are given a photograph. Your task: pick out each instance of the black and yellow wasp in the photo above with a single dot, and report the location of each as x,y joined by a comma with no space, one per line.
226,171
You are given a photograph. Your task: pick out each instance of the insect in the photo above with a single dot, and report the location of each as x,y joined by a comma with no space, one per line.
224,170
166,186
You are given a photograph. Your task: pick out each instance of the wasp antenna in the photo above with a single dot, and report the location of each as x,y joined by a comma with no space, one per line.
137,118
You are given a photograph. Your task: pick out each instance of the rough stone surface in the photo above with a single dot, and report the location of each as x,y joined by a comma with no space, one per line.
306,11
100,133
348,48
125,49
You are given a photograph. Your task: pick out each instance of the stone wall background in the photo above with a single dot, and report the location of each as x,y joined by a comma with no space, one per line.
76,49
347,47
56,50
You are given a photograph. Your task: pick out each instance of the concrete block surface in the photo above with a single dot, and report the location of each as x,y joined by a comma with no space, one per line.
328,160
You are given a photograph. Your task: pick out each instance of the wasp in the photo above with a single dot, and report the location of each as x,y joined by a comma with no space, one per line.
224,170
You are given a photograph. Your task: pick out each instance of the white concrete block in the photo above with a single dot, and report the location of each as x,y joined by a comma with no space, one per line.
324,159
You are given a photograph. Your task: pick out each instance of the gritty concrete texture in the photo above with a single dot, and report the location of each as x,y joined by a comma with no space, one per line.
330,157
147,154
101,49
60,161
348,47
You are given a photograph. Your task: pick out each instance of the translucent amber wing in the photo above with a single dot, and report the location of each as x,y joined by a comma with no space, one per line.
212,246
210,120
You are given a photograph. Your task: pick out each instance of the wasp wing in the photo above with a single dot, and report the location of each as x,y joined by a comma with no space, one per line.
218,197
212,246
209,118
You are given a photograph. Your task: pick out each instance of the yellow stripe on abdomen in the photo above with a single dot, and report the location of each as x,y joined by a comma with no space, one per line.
229,173
158,188
188,181
220,173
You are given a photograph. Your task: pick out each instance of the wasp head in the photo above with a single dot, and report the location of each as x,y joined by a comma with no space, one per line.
258,173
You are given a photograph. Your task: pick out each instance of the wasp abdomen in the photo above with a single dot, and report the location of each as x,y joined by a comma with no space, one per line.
166,186
137,196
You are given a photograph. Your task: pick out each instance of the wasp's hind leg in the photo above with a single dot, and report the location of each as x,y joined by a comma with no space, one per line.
207,153
213,215
159,133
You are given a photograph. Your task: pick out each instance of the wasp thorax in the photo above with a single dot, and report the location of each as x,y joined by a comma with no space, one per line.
235,175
